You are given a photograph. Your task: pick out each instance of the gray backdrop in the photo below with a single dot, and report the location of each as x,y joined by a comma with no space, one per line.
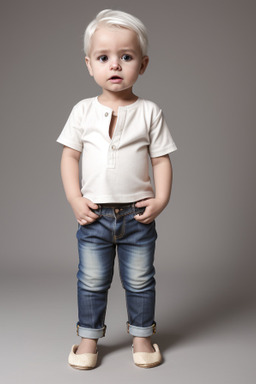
202,73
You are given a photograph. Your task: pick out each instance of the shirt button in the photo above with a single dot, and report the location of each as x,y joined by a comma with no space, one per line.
113,147
106,114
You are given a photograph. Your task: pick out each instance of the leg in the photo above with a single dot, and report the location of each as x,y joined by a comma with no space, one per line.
136,258
96,260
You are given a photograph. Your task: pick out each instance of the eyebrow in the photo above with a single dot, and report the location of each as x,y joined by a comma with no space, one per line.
105,51
100,51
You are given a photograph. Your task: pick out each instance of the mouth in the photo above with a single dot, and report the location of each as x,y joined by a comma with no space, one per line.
115,78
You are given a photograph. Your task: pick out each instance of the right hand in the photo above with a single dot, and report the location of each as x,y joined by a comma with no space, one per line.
81,208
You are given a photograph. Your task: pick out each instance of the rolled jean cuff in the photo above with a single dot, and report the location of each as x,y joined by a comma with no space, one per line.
141,331
90,333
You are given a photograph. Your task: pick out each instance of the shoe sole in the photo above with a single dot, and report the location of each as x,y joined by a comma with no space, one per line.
152,365
81,368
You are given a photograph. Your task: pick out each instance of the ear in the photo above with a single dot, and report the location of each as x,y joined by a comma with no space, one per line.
144,64
88,64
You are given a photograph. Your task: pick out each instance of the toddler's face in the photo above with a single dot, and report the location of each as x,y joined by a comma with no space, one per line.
115,60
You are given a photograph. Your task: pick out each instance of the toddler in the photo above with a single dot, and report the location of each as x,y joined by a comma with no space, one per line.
115,206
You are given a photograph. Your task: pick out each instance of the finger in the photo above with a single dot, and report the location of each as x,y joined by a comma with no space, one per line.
146,221
92,205
145,218
92,215
142,221
140,218
89,219
142,203
86,221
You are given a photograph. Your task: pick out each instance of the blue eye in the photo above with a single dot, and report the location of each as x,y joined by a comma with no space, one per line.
126,57
103,59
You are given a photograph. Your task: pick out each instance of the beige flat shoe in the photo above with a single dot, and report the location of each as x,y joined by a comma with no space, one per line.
82,361
148,359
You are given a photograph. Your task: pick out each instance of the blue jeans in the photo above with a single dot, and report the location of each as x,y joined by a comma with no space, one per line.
116,229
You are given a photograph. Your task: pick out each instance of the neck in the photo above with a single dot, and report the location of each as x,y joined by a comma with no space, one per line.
118,98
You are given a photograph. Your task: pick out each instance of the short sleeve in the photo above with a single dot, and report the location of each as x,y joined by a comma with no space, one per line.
161,141
71,135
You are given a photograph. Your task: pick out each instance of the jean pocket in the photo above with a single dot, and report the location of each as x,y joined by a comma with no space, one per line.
139,211
96,211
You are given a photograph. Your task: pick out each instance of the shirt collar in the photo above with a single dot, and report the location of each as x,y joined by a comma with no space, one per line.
124,107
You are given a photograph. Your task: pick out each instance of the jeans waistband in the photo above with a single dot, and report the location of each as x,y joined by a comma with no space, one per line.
118,209
116,205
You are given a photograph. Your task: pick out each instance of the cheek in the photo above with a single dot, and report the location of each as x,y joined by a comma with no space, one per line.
98,72
134,71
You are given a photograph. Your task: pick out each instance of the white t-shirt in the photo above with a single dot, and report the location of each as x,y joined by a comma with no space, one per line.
117,170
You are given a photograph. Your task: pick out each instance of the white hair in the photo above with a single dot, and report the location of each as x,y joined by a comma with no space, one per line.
119,19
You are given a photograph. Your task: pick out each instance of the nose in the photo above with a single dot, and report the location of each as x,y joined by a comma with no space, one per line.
114,65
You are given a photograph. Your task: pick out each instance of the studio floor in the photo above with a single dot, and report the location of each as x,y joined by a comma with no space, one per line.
206,335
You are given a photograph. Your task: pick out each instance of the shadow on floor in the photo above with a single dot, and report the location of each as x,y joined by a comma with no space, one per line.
200,317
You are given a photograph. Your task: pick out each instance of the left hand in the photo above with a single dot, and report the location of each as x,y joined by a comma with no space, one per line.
154,207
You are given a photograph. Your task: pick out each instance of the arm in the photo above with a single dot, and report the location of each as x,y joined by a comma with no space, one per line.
162,171
70,178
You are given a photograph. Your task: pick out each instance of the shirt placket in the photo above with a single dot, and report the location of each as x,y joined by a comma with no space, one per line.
115,142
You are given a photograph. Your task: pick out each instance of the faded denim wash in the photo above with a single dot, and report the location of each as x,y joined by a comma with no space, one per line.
116,230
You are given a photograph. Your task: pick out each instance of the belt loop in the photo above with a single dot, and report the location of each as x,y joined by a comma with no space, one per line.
99,208
133,207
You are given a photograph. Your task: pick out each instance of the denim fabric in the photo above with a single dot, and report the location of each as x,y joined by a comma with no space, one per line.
116,230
